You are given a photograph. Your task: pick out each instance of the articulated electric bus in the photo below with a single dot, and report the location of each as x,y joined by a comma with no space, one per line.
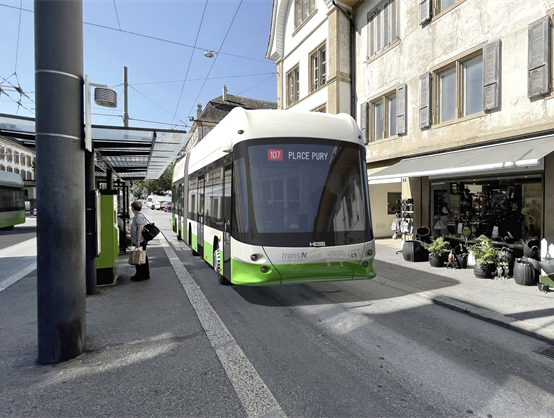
12,200
274,197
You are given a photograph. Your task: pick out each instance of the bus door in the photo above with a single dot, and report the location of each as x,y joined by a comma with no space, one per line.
227,222
201,216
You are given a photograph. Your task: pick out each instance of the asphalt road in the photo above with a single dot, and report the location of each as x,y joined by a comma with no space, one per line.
19,233
361,349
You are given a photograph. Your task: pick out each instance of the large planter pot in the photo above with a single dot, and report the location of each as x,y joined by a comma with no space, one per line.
483,271
435,261
414,251
525,274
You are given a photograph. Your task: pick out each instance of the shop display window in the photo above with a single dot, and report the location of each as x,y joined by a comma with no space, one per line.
507,210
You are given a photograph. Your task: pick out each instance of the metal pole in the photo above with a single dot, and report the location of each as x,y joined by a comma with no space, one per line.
90,200
125,101
60,177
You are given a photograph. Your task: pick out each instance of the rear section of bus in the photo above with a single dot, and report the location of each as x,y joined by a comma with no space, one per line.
12,200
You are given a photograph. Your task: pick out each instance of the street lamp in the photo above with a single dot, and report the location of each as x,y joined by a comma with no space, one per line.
103,96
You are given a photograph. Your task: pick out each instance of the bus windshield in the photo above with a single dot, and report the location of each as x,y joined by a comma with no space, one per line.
299,193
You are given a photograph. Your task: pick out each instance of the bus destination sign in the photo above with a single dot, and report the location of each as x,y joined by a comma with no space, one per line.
277,155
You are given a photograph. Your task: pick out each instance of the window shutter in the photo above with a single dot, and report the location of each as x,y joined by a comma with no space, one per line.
491,75
364,109
393,22
401,109
386,32
425,101
371,34
378,35
424,11
538,79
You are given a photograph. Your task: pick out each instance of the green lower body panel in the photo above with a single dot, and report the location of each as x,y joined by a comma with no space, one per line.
209,253
194,243
547,280
250,274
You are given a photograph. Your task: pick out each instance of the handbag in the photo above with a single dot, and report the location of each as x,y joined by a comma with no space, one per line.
149,231
137,257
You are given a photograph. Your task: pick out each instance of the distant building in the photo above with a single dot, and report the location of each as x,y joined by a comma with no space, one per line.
215,110
15,158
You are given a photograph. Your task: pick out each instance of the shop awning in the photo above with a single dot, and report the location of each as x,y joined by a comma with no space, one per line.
508,155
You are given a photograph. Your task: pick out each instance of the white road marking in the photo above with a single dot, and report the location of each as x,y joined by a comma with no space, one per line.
257,399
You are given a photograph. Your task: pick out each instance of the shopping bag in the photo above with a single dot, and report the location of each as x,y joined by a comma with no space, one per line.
137,257
149,231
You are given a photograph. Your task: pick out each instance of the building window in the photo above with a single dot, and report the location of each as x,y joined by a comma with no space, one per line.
2,167
2,153
383,116
29,162
302,10
293,86
318,64
392,202
460,89
321,109
382,27
441,6
10,169
16,157
9,155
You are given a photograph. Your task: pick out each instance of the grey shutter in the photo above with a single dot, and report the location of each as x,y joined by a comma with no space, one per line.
538,79
424,11
386,32
364,109
393,22
401,109
425,101
371,34
378,37
491,75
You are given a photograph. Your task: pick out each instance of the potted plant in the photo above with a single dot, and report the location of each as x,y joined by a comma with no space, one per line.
486,256
438,251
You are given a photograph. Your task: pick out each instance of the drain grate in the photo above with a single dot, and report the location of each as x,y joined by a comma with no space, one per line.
547,351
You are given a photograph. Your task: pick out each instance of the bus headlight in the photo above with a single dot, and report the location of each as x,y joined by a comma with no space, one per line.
365,264
254,257
264,269
370,252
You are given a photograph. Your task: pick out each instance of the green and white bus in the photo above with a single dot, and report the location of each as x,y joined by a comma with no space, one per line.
274,197
12,200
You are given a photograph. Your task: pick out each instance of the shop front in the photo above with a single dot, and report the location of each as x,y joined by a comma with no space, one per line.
501,191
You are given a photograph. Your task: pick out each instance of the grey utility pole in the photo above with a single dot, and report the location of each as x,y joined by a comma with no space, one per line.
125,99
60,177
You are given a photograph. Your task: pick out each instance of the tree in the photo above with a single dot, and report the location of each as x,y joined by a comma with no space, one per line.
158,186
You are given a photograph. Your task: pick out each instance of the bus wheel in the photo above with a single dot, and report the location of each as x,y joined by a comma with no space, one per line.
217,262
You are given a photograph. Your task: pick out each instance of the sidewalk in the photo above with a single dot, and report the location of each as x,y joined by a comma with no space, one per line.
521,308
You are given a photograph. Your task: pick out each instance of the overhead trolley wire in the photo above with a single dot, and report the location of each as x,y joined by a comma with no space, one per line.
215,59
153,37
190,61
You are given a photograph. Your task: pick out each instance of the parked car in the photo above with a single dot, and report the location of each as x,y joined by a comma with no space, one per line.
157,205
167,206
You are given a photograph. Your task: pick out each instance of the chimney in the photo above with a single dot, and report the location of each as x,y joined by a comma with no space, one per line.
198,111
224,93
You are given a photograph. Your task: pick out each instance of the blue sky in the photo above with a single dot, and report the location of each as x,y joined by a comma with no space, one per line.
157,68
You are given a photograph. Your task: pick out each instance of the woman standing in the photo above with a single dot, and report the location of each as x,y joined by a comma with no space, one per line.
139,220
